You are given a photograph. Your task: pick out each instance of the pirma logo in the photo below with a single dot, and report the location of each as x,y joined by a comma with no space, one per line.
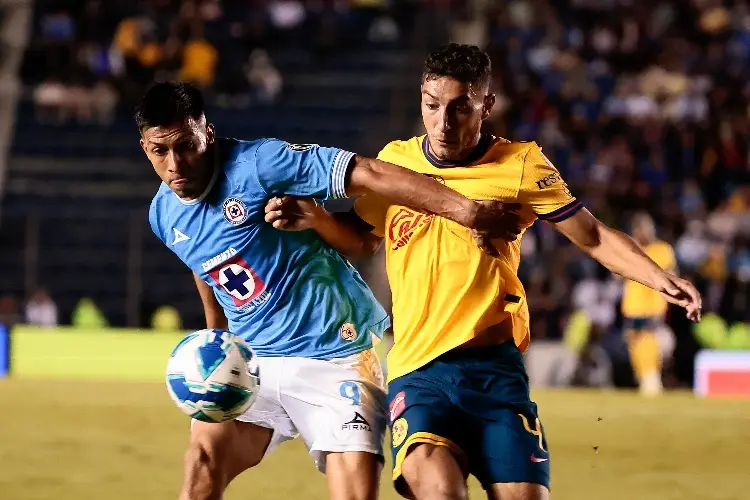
358,423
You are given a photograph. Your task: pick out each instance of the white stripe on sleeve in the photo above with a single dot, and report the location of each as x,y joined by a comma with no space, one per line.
338,173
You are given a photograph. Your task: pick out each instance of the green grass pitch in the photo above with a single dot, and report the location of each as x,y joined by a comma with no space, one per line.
90,440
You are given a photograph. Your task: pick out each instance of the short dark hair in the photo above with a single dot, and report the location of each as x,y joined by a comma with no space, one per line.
168,103
465,63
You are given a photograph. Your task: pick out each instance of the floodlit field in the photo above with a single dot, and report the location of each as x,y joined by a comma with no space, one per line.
89,440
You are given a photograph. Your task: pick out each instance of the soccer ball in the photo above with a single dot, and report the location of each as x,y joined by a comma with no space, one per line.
212,376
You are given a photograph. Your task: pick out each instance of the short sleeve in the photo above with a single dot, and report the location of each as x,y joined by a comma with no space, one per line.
302,169
153,220
543,188
373,209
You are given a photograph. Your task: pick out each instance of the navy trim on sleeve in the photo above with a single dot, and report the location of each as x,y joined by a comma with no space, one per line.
562,213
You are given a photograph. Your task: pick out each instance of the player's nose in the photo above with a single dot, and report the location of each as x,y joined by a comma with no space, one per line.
175,162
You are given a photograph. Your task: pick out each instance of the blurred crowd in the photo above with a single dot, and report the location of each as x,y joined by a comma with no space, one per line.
644,106
85,56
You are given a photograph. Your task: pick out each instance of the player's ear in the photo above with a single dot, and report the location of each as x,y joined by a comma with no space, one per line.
143,145
210,133
489,103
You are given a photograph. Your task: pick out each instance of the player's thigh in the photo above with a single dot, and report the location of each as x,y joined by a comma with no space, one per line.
518,491
337,405
431,471
228,448
427,437
353,475
510,448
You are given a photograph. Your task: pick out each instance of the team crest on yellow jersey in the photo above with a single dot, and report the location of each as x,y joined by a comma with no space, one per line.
404,224
399,430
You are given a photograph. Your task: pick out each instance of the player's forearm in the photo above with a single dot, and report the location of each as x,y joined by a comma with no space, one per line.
344,238
408,188
613,249
619,253
215,317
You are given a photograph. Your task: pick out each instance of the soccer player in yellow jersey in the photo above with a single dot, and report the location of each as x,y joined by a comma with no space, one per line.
458,391
644,309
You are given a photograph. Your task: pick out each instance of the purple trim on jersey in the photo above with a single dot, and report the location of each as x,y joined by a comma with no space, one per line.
482,146
562,213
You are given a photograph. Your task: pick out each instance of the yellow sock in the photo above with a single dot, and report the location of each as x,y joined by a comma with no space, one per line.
645,355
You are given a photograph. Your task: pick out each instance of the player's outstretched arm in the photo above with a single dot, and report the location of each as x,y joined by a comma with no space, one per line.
620,254
343,231
215,317
405,187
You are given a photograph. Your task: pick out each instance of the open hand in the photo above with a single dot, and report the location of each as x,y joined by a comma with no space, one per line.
496,220
292,214
682,293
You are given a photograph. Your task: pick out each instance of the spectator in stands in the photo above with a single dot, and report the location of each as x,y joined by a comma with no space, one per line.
50,98
263,77
10,314
199,60
41,310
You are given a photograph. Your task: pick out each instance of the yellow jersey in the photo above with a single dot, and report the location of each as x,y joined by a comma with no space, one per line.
639,301
445,289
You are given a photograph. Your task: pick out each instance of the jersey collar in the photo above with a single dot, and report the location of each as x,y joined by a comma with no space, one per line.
482,146
211,183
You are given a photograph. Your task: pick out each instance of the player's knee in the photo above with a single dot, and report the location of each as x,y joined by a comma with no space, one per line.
433,473
206,456
205,474
518,491
353,475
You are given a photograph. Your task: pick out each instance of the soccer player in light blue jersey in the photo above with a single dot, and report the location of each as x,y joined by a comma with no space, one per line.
303,308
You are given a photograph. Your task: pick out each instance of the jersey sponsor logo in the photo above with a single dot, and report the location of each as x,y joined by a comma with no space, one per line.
404,224
218,259
348,332
548,181
551,180
239,280
235,211
179,236
399,430
397,406
300,147
358,423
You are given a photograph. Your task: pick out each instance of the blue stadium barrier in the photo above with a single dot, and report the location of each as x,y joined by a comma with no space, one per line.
4,352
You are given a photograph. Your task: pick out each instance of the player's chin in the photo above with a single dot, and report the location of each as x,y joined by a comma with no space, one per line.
445,151
183,190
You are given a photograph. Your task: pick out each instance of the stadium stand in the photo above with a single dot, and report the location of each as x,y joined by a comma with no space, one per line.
642,106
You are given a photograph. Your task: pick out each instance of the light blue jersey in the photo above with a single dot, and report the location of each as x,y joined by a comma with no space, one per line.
286,293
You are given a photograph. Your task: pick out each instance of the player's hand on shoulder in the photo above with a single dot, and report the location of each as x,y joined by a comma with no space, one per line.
682,293
496,220
290,213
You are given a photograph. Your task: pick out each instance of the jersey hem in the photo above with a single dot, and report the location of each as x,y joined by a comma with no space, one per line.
327,356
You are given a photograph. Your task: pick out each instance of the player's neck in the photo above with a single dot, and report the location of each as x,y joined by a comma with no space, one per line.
466,157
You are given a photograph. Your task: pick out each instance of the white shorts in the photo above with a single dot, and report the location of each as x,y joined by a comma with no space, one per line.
336,405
